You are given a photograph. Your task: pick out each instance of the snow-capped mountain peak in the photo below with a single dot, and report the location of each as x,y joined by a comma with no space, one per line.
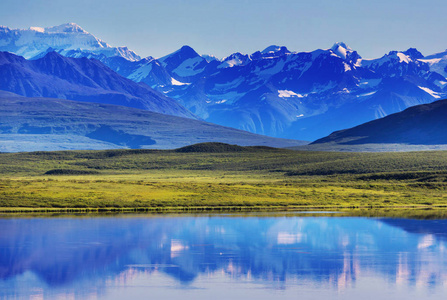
346,53
64,28
341,49
67,39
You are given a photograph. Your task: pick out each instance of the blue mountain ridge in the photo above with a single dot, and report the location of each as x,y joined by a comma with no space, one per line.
80,79
296,95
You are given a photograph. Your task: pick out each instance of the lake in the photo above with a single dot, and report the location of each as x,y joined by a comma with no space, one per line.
268,256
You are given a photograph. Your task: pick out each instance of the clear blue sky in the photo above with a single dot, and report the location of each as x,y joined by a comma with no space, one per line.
158,27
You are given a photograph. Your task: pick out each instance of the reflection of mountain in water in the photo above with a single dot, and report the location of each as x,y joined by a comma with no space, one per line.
437,228
74,252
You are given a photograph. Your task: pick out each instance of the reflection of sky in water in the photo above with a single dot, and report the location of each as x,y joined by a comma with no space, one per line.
219,257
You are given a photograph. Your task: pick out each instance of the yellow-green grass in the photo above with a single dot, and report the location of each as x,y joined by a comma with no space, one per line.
256,178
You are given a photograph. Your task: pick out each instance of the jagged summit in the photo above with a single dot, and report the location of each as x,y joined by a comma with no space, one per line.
184,63
184,52
414,53
341,49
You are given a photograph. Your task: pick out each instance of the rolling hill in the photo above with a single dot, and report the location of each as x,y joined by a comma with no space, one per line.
421,125
31,124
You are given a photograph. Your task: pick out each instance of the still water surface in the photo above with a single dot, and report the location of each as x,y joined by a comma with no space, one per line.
222,257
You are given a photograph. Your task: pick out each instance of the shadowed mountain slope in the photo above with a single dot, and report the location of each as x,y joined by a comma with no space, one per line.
419,125
30,124
80,79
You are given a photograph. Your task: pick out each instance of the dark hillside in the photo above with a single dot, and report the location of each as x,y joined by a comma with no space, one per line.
419,125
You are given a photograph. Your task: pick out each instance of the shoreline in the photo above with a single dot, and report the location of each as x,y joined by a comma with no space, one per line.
206,209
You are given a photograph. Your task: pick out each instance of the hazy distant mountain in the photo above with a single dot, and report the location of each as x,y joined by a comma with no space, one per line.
31,124
80,79
67,39
419,125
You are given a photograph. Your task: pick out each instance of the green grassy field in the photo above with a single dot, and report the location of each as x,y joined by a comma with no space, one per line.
220,177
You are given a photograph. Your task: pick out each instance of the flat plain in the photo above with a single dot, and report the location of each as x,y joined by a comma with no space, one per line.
220,177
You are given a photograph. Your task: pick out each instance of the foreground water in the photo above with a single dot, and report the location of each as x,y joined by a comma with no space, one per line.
222,257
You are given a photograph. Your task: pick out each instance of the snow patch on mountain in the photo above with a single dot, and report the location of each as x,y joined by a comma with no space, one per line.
431,92
347,67
369,83
38,29
288,94
440,83
403,58
178,83
367,94
227,98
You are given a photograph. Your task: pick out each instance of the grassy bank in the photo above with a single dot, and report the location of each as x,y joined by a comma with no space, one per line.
216,178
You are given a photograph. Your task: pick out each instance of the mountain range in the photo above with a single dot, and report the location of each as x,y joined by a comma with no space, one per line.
300,95
274,92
